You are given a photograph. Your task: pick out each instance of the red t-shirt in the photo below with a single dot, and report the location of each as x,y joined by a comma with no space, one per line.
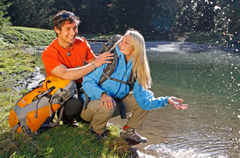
55,55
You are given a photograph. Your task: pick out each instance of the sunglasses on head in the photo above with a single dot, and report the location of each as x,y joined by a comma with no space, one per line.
65,16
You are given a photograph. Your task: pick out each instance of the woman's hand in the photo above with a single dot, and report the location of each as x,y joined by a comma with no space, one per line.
108,101
103,58
175,102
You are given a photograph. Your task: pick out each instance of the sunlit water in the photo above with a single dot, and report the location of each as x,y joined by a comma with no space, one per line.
210,83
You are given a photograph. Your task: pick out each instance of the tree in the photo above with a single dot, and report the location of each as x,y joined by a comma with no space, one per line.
155,19
39,13
197,16
163,19
234,23
94,16
4,20
205,14
135,14
228,15
32,13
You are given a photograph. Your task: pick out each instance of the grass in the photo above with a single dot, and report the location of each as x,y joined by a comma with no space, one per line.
26,36
29,36
15,61
63,141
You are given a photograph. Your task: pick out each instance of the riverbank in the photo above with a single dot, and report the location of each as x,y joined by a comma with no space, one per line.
161,46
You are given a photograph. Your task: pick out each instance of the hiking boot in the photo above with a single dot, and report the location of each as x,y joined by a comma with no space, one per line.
72,123
129,133
100,136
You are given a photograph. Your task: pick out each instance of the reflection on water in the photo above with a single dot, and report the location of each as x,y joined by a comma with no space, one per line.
210,83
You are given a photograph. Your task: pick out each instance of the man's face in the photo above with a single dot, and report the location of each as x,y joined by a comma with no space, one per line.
66,36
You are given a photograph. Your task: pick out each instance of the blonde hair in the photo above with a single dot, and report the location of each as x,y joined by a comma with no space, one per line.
140,65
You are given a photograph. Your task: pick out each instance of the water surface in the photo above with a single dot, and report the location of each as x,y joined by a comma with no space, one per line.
210,83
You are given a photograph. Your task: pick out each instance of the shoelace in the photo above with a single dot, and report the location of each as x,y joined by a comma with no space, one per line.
136,137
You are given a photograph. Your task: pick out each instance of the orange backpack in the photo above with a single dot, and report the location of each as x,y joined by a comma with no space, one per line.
35,107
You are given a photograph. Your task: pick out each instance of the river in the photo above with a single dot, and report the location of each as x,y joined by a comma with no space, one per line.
210,83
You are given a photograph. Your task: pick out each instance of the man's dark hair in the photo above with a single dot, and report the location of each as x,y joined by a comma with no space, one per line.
62,16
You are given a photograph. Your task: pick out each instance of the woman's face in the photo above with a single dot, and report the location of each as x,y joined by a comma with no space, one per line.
125,46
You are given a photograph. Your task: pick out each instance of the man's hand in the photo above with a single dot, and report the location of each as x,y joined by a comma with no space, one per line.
175,102
103,58
108,101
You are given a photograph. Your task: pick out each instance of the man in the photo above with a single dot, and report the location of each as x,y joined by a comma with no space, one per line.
65,57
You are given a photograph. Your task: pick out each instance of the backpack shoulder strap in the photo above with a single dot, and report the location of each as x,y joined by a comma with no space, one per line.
110,68
131,80
56,123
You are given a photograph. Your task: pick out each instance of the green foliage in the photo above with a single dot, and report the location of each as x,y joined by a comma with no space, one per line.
196,16
132,14
234,24
155,19
94,16
4,21
32,13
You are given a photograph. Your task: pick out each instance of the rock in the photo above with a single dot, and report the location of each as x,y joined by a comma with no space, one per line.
34,79
28,80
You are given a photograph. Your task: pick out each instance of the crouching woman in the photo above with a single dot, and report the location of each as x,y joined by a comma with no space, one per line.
138,101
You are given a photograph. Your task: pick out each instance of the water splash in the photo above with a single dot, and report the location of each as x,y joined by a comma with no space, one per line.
166,150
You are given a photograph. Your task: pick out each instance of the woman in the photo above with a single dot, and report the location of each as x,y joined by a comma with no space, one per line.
102,106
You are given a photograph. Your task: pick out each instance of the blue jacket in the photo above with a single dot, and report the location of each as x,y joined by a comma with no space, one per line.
144,98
